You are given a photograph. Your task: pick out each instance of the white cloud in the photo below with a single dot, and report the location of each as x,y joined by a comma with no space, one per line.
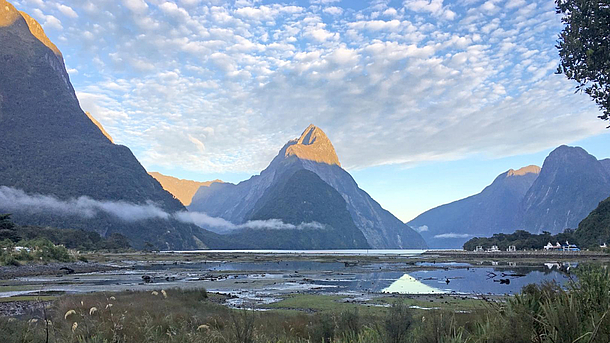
452,235
13,199
136,6
422,228
214,87
198,143
332,10
433,7
67,11
47,21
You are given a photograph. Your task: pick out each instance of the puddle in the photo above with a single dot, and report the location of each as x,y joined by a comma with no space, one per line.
265,282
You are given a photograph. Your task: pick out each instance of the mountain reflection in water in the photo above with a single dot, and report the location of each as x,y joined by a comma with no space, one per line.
409,285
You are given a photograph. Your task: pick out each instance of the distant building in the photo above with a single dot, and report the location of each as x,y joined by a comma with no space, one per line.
511,248
559,247
19,249
552,247
479,249
494,248
570,247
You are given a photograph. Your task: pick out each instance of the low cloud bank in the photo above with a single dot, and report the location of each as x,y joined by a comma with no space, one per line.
12,199
453,235
16,200
421,229
222,226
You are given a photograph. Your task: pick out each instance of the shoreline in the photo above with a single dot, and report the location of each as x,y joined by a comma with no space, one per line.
566,255
53,268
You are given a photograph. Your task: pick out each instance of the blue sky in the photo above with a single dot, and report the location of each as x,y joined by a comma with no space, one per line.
426,101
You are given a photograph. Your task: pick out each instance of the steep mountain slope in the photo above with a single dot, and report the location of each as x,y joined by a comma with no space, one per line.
595,228
298,197
181,189
606,164
312,151
49,146
570,185
99,126
496,209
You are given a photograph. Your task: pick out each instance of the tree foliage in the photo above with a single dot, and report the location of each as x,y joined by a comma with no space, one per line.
584,48
521,240
595,228
7,228
70,238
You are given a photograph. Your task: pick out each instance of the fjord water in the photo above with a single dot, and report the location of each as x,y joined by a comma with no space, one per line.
339,252
265,275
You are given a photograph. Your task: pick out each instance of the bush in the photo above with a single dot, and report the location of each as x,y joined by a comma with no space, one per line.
349,323
9,260
397,323
243,326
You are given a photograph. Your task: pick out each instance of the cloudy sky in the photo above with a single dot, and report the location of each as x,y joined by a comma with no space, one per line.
426,101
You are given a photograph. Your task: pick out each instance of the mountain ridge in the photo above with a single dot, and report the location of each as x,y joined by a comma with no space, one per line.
570,185
49,146
235,203
181,189
565,190
490,211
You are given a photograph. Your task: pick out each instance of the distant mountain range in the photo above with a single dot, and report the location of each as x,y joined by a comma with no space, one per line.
570,184
49,146
279,192
183,190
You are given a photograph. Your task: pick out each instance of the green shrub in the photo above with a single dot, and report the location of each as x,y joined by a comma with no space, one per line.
10,260
397,323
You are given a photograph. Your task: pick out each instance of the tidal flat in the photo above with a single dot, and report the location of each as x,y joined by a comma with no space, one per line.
276,280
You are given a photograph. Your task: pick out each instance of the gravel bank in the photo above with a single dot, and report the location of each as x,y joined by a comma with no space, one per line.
10,272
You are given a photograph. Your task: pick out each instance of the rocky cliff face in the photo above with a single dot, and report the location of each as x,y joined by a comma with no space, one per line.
496,209
313,145
570,186
181,189
49,146
606,164
312,151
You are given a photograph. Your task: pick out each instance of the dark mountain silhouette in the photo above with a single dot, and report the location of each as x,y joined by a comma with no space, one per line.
299,197
49,146
570,185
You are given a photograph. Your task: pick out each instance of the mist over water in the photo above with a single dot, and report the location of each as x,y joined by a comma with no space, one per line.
16,200
12,199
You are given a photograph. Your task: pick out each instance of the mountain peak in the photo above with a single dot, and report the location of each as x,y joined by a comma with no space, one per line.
532,169
565,150
8,13
313,145
38,32
9,16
